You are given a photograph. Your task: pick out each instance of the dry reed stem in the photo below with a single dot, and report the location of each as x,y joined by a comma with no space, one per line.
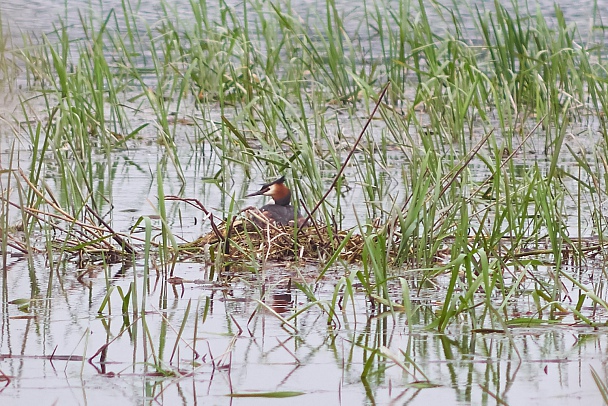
83,236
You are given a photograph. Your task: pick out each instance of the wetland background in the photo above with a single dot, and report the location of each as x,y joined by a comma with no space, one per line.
478,191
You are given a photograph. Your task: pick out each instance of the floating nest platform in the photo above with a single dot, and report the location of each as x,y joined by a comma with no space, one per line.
248,239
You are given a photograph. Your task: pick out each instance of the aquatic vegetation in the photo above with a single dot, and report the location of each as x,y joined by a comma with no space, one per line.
453,171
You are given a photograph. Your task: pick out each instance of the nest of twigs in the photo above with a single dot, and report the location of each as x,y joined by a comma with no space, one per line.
248,238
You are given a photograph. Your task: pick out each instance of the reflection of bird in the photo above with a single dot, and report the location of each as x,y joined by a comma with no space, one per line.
281,212
281,301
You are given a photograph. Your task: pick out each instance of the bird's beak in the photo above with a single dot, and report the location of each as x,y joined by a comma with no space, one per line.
259,192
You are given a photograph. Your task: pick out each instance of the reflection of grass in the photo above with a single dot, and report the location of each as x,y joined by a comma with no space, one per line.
601,385
461,170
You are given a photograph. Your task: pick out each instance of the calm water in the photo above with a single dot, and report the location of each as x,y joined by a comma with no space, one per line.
266,356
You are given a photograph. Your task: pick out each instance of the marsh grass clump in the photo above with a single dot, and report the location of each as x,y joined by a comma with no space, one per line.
245,240
472,199
462,176
84,235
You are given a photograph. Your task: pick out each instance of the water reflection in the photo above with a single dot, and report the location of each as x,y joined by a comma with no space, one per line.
230,344
281,302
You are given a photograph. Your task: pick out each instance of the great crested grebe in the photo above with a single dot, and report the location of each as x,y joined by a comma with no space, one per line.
281,212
